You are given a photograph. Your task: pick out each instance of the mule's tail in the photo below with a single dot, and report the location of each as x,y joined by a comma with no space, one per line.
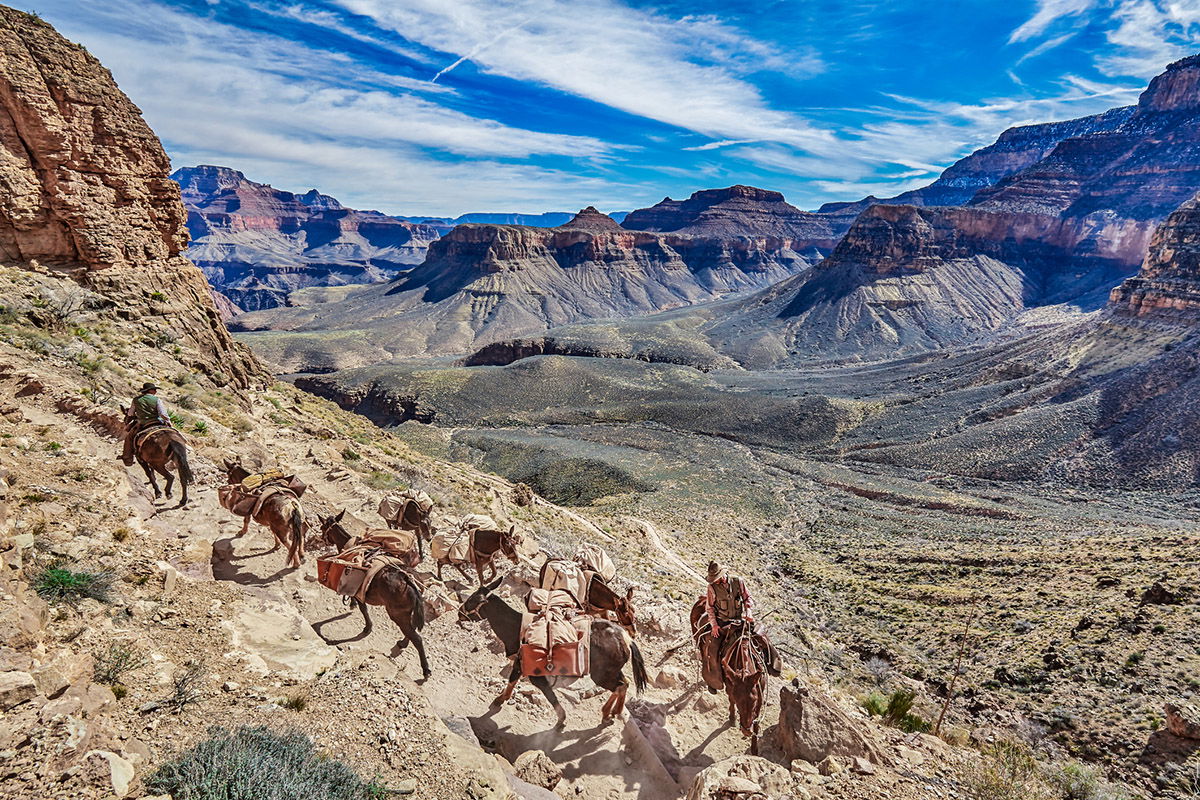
639,668
179,450
296,519
418,613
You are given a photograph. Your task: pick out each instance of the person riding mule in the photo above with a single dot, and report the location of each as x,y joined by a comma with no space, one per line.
727,606
153,441
146,411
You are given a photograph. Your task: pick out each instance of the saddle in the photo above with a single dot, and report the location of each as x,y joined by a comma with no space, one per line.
351,572
454,547
152,428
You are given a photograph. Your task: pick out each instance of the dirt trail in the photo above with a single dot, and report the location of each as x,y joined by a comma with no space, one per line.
670,555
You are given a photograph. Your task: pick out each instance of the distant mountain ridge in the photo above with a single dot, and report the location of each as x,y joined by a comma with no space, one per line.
256,243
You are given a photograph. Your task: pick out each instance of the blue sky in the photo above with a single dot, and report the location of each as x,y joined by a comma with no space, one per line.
448,106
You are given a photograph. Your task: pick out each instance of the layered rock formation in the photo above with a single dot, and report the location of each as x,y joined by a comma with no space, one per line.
482,283
1168,284
256,243
84,188
739,211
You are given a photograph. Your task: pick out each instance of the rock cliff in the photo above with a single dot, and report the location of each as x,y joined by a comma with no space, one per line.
256,243
84,190
739,211
1168,284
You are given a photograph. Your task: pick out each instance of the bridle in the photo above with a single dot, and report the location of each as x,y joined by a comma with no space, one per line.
475,614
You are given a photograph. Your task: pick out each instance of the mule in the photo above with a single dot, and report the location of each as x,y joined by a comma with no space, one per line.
412,518
392,588
280,512
740,668
611,649
485,546
392,543
602,598
161,451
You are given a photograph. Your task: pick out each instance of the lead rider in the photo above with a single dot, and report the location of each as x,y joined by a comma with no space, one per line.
146,410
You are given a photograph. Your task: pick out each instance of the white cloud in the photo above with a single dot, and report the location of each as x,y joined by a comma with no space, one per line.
1049,12
687,72
1148,35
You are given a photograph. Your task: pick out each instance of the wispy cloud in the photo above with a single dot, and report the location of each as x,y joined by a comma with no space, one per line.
1049,12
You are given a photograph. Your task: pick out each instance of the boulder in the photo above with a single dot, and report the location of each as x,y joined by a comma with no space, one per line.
16,688
1183,720
56,676
120,771
534,766
742,778
812,727
670,677
527,791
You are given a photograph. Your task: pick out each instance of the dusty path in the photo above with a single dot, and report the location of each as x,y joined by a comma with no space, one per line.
667,553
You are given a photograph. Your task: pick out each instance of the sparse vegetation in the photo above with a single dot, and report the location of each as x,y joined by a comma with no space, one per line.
187,687
294,702
383,481
58,583
113,663
200,427
350,454
1007,771
232,764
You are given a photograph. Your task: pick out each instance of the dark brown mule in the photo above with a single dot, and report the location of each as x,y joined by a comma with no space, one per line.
412,518
161,451
281,512
392,588
610,651
602,598
485,547
741,669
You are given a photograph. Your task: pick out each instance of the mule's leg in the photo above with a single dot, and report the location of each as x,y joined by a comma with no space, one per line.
409,631
544,686
150,477
513,677
245,527
732,705
621,702
170,478
440,563
367,625
466,575
754,740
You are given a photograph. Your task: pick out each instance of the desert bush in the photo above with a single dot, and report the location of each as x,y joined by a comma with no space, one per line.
383,481
114,662
1075,781
350,454
875,704
57,582
293,702
186,687
200,428
258,763
899,714
1007,770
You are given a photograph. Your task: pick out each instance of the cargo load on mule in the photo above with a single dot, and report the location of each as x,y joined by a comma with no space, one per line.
246,497
393,507
554,636
350,572
567,577
476,539
593,558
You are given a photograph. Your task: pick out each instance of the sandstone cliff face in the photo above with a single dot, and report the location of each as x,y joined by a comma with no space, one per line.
1168,284
84,189
1015,150
256,243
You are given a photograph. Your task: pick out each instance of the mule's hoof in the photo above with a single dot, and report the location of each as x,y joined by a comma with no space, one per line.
711,690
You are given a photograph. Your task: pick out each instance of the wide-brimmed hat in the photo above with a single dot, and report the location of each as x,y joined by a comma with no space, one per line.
715,572
149,387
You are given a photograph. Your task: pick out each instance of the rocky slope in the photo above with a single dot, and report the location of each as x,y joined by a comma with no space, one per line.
740,211
1168,284
482,283
256,243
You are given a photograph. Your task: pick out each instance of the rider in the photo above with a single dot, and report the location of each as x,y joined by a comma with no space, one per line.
147,409
726,602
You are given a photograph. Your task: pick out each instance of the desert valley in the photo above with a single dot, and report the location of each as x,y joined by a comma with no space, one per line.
950,438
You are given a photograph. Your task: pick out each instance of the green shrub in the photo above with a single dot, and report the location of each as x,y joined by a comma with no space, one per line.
1007,770
114,662
258,763
60,583
383,481
874,703
200,428
899,714
350,454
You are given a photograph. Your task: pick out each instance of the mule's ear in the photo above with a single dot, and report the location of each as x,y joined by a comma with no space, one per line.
339,515
229,465
629,594
494,585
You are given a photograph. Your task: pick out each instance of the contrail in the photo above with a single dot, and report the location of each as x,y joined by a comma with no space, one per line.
476,50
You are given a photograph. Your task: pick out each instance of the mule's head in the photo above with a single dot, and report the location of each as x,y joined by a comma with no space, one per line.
509,541
235,472
623,608
331,528
472,607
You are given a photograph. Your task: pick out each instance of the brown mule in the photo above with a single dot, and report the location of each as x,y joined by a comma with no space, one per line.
610,651
392,588
602,598
740,667
412,518
485,547
281,512
162,450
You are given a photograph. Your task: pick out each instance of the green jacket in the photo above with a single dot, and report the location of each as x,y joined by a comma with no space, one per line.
145,408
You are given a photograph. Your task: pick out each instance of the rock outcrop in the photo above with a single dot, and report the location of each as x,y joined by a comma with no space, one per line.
1168,284
739,211
813,728
84,188
256,243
